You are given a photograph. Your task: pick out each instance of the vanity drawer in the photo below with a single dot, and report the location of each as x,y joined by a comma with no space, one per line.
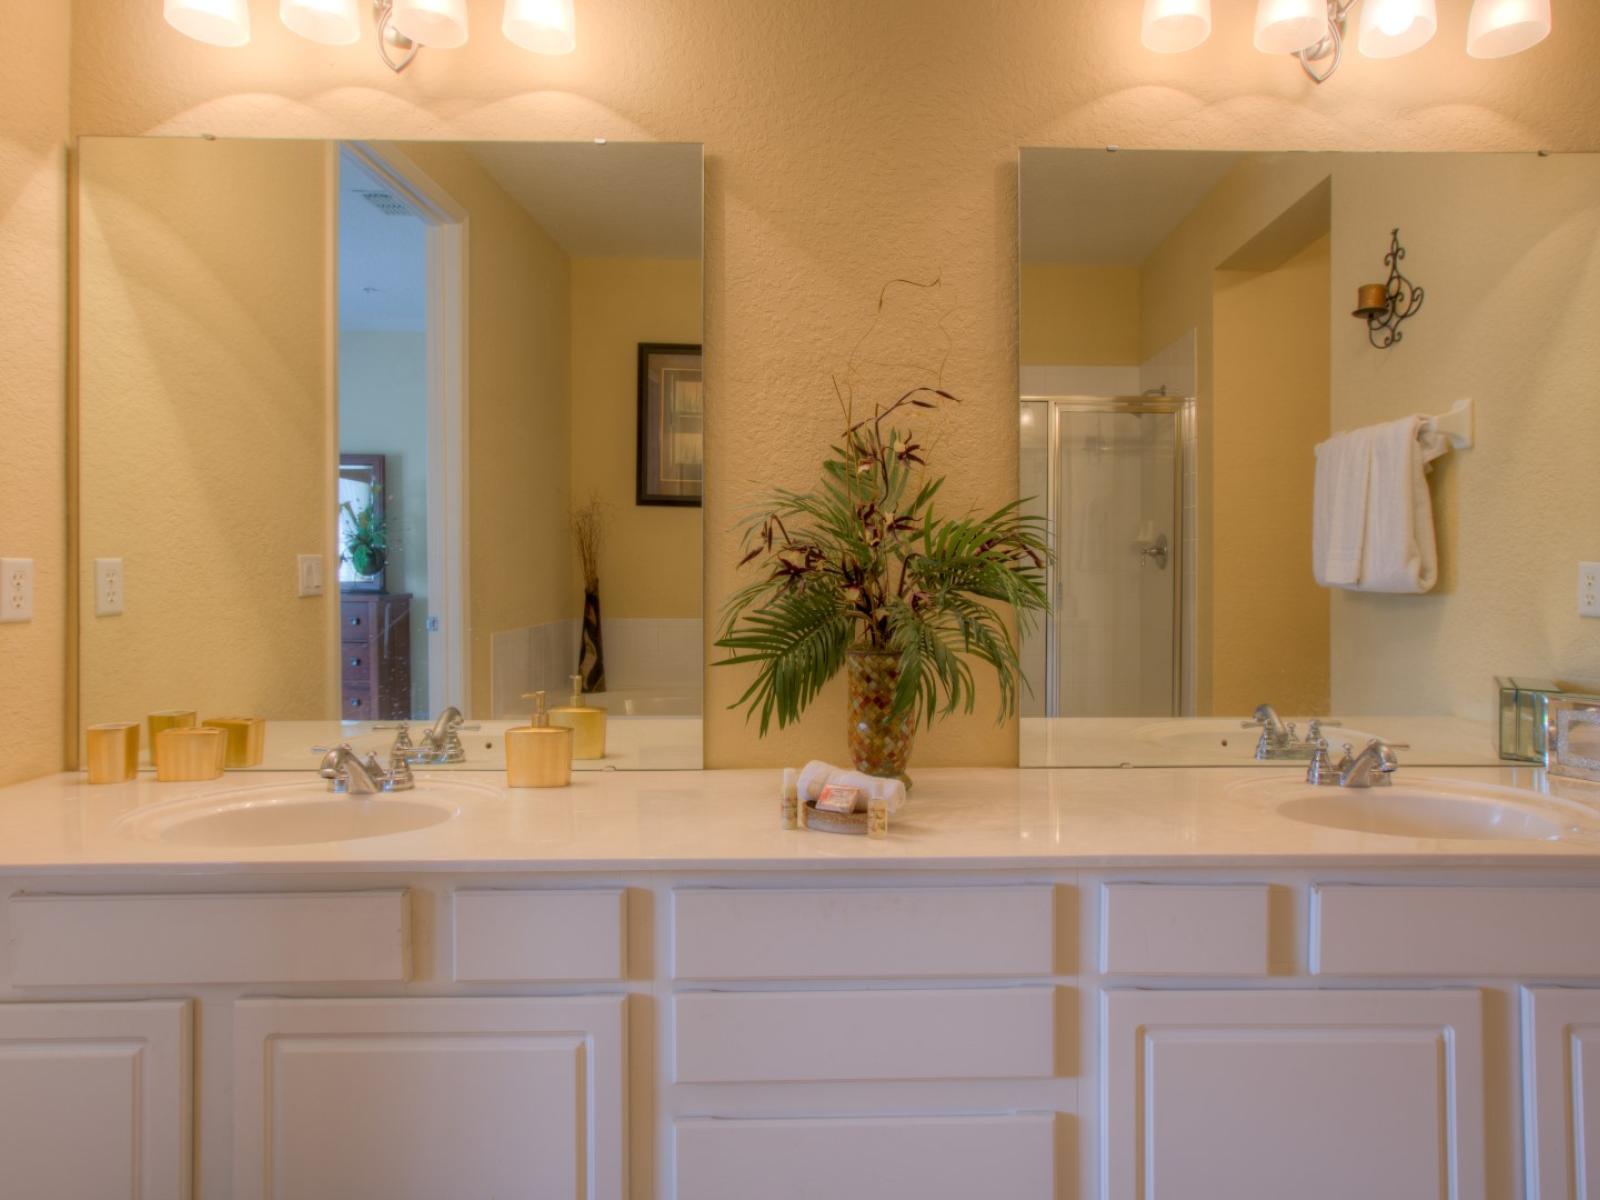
788,1037
1457,931
311,937
859,933
1175,929
534,936
1008,1157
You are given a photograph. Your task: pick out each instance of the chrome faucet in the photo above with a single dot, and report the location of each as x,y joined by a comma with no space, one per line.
442,742
1281,740
1370,768
347,772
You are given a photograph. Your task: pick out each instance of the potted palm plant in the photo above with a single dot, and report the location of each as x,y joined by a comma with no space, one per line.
862,573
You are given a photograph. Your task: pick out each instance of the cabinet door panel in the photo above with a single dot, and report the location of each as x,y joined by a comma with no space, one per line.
95,1100
1561,1092
417,1099
1317,1095
868,1158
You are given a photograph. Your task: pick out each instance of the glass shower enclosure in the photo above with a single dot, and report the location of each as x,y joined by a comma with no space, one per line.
1108,475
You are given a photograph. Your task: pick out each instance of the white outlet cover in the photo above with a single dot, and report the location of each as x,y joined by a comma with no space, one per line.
1589,589
107,587
16,590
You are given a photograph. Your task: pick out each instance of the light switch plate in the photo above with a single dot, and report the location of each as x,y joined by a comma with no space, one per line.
107,587
1589,589
16,589
310,575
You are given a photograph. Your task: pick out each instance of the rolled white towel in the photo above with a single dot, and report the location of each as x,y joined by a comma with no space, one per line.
816,775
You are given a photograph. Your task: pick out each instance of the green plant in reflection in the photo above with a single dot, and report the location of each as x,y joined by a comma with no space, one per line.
365,540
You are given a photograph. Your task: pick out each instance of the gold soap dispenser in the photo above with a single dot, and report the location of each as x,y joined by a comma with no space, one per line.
539,754
588,723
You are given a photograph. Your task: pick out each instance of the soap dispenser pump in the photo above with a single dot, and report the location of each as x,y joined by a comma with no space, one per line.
539,754
588,723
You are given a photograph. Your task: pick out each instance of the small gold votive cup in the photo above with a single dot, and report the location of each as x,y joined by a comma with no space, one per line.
245,739
172,718
187,753
113,751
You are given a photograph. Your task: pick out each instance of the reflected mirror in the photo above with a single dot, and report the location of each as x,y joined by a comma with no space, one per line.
1189,337
343,408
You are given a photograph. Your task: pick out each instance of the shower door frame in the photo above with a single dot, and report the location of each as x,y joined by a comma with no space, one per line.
1173,406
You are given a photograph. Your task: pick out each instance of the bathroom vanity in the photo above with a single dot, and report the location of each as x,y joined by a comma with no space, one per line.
1184,983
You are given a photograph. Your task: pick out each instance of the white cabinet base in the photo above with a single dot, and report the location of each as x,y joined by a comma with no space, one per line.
1318,1095
1561,1092
418,1099
95,1100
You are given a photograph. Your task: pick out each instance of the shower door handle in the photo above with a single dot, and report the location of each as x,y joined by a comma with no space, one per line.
1155,552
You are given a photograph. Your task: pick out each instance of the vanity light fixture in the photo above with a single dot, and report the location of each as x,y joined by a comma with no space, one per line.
1386,306
1314,31
404,26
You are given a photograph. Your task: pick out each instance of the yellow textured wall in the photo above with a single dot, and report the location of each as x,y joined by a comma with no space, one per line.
847,143
1269,619
517,423
650,561
203,320
33,321
1079,316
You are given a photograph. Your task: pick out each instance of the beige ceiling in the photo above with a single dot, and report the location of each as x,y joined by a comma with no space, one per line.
616,200
1104,208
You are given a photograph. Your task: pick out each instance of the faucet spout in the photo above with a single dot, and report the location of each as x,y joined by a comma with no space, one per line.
1371,768
347,771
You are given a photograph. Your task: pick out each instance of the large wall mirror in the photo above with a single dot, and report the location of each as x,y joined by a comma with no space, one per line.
344,409
1189,336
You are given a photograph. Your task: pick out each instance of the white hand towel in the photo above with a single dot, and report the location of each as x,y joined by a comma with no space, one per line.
1339,520
816,775
1399,553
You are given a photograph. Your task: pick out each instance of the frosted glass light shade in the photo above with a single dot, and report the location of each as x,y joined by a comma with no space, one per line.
1289,26
441,24
331,22
1390,28
1501,27
547,26
1173,26
219,22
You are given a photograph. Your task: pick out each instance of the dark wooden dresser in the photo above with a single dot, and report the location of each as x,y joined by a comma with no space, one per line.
375,655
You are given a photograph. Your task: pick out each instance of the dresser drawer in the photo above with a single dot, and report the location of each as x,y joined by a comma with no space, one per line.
1455,931
783,1037
319,937
356,705
1008,1157
1174,929
355,662
356,621
533,936
879,933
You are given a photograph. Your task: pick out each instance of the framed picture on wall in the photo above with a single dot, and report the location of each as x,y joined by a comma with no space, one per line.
363,532
672,419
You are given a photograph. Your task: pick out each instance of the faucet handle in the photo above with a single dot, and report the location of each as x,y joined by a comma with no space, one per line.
1321,771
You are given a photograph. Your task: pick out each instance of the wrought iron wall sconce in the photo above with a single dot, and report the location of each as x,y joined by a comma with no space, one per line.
1386,306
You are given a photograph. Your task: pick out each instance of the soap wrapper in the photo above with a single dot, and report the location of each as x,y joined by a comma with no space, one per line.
816,775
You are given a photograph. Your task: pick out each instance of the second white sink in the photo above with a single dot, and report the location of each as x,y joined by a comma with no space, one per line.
1432,808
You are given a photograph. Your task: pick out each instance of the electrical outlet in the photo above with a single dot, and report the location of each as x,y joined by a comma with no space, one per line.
107,587
1589,589
16,589
310,575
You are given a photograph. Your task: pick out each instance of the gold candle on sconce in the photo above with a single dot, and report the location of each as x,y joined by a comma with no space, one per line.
185,753
245,739
1371,300
113,751
172,718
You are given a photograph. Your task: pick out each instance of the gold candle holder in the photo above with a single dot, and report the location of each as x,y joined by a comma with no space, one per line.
113,751
245,739
186,753
172,718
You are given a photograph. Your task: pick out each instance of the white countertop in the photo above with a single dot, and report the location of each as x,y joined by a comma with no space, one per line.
723,820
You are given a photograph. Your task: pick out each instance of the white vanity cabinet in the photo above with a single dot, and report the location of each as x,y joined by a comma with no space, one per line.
1319,1095
95,1100
1561,1092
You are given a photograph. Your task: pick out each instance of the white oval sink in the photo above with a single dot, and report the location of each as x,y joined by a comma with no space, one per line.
1433,808
297,814
1218,735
